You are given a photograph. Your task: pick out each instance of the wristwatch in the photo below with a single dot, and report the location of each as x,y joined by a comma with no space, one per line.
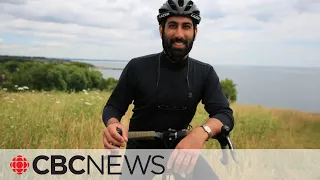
207,130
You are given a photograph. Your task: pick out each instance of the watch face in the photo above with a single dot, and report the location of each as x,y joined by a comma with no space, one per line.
207,129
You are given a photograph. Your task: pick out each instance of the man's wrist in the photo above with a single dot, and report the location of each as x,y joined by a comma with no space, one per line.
201,133
215,126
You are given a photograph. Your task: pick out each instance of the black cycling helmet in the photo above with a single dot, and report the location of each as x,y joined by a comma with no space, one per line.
179,8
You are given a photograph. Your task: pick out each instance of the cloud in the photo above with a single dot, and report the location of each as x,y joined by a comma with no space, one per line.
231,32
7,46
13,1
307,6
58,44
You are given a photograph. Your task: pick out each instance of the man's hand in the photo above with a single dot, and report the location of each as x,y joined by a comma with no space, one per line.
112,139
185,156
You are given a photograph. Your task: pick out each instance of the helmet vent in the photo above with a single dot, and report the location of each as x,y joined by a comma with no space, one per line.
162,11
180,2
189,5
172,5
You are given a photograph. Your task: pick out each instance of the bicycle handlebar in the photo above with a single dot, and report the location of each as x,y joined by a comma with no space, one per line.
223,138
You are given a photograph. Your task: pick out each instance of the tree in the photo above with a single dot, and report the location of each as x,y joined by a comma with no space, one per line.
229,88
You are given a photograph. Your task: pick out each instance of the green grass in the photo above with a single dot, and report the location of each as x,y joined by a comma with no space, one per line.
60,120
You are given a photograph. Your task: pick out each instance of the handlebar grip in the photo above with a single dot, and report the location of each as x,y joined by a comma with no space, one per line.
183,133
142,134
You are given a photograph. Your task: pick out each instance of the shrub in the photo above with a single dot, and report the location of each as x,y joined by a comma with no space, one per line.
229,88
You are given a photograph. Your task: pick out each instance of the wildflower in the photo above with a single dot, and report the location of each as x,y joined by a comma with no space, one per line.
25,87
87,103
85,91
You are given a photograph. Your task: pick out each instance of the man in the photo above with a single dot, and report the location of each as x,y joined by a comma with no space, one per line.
166,87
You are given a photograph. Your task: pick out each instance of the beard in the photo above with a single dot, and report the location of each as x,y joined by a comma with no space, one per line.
176,54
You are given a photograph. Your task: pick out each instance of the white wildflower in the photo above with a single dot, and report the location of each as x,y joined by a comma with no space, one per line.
20,89
25,87
87,103
5,89
85,91
16,86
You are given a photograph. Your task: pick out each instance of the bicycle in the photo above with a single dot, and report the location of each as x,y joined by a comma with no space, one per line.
171,138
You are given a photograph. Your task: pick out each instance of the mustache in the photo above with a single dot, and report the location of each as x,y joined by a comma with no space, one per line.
178,40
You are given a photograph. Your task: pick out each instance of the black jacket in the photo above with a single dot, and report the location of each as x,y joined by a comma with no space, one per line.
166,94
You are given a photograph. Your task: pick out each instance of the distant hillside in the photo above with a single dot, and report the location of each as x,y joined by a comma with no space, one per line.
41,73
104,60
6,58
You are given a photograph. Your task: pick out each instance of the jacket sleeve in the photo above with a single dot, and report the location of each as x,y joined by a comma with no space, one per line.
215,101
121,96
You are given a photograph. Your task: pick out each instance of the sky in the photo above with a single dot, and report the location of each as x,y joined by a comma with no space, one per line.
232,32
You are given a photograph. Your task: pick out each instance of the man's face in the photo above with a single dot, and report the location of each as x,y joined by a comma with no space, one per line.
178,36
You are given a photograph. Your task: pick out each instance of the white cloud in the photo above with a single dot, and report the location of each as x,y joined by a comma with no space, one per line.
276,32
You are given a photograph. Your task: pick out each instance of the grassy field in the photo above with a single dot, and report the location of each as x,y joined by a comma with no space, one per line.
60,120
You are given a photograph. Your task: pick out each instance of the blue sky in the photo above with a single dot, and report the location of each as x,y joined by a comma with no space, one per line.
232,32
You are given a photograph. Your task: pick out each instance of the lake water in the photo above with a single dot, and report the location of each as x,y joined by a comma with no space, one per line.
281,87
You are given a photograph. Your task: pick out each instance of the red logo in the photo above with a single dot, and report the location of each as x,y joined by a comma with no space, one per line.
19,164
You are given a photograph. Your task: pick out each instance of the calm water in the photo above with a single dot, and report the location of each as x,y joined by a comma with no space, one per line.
292,88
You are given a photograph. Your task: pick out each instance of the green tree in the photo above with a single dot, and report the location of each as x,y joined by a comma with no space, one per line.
79,81
95,79
229,88
112,83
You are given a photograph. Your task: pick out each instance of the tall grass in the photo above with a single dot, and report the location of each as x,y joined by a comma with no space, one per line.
60,120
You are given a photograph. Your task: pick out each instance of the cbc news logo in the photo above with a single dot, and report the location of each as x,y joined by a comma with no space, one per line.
20,164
